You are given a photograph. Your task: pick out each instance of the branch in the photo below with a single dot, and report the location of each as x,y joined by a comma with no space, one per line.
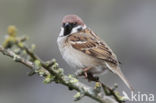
16,48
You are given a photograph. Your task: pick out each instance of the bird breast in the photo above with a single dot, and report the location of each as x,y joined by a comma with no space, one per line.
73,57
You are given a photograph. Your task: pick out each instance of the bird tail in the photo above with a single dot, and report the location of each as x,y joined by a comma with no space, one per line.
117,70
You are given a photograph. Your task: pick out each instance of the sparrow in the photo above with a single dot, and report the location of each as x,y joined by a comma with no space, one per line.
81,48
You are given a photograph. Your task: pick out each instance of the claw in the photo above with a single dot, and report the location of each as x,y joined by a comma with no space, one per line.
86,69
85,74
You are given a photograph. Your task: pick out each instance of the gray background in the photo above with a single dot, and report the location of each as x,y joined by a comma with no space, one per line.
128,27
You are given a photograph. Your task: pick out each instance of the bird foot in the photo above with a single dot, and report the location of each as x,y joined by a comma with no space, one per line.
89,76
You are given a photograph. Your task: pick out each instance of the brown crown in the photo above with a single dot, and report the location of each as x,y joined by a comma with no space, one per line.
72,19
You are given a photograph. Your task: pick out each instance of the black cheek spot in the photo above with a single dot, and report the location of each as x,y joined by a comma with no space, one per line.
79,29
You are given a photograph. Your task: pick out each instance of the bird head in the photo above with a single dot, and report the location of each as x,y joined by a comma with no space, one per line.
71,24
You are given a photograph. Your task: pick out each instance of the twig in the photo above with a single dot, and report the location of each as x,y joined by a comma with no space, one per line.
52,72
65,80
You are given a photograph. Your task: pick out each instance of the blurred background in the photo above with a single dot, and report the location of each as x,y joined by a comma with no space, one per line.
128,27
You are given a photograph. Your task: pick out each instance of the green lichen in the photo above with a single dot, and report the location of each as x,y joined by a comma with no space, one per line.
77,96
20,44
72,79
48,79
37,63
33,47
119,97
12,30
97,85
11,38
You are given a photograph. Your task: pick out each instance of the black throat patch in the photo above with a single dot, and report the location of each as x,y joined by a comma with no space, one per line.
68,28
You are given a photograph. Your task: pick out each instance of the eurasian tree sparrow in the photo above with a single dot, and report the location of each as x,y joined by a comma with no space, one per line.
81,48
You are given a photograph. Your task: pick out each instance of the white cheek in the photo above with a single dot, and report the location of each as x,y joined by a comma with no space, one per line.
84,27
75,30
61,32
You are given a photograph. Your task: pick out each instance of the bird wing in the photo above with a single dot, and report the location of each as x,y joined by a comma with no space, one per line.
87,42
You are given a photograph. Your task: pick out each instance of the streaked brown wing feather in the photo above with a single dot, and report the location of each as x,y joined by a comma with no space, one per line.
88,43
